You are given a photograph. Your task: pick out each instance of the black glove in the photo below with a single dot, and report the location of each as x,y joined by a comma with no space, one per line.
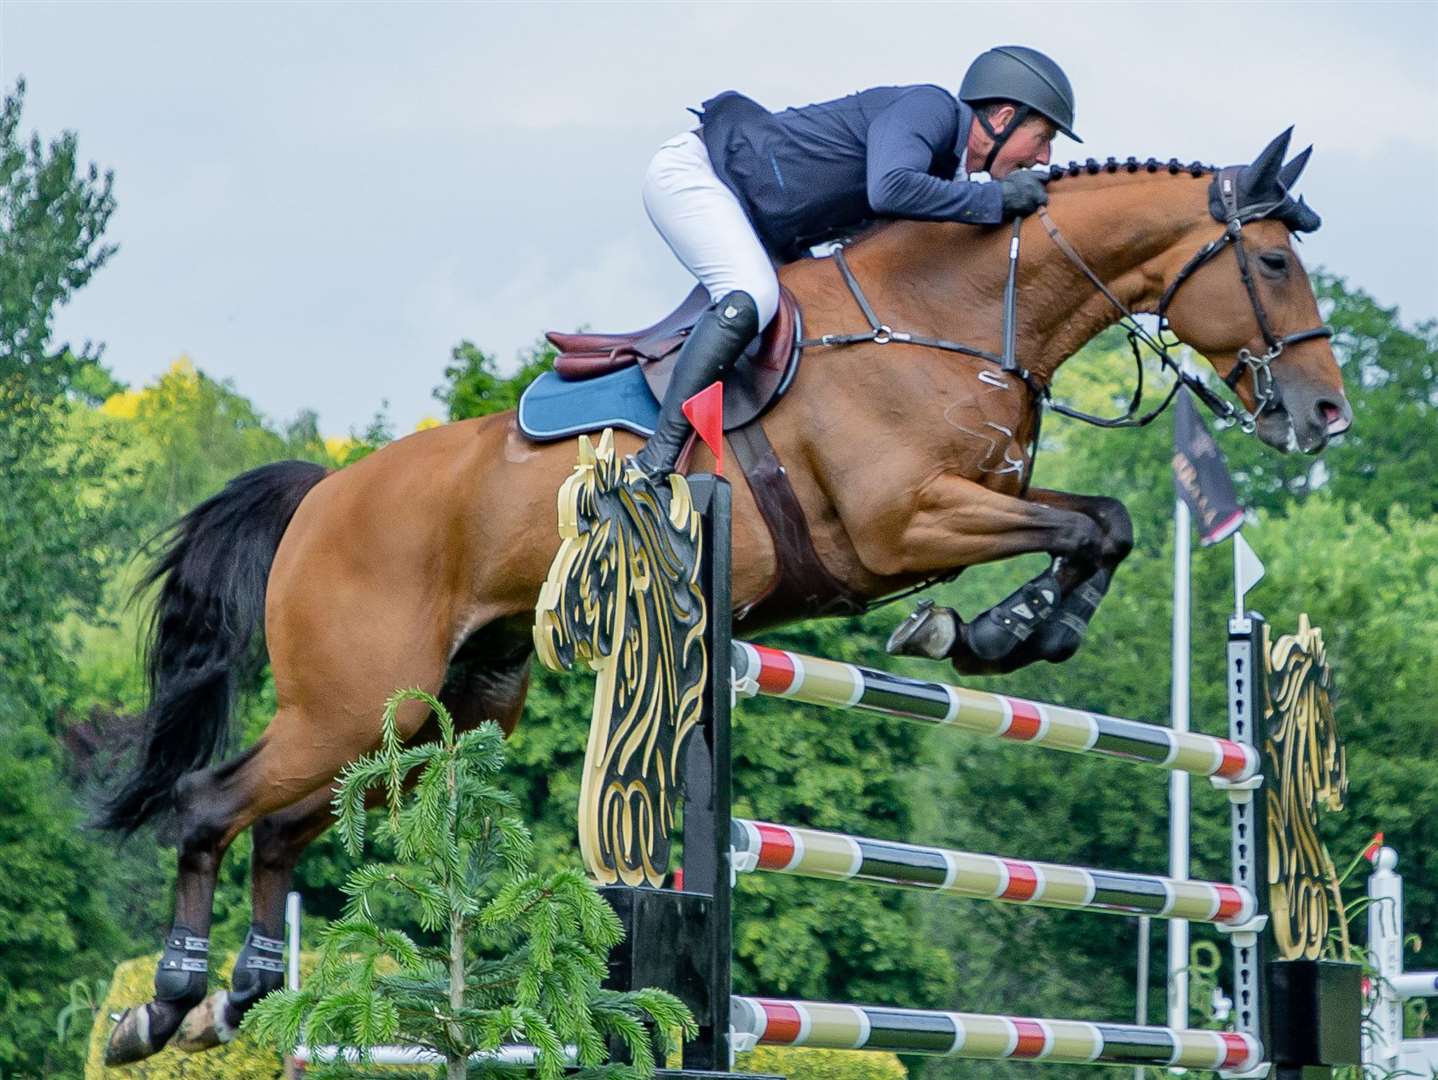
1023,193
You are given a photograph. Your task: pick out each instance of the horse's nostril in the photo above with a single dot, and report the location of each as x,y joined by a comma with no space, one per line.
1335,417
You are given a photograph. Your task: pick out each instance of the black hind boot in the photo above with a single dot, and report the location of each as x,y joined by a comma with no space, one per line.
717,340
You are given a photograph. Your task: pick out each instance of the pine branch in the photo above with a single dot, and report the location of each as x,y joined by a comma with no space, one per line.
464,860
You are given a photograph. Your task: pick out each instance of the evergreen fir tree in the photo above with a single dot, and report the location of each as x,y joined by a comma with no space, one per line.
524,953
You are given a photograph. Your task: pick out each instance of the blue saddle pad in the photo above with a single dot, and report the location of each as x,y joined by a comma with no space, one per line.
554,408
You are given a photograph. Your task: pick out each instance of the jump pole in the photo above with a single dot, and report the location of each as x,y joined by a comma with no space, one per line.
759,669
1295,1014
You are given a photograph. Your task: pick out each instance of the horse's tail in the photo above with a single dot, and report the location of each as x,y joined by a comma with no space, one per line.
214,565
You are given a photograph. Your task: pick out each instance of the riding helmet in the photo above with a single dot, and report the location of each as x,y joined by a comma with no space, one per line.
1023,75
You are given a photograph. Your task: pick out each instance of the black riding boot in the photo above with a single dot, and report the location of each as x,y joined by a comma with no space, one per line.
717,340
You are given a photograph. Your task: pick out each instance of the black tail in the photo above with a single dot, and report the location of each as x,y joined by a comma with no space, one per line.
214,565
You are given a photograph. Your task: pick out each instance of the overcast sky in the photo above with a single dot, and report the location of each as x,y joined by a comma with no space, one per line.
318,201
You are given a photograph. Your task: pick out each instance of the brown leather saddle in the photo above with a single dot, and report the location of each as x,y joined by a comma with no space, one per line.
802,586
757,380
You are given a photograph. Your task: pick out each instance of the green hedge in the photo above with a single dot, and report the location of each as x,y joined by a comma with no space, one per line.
243,1060
796,1063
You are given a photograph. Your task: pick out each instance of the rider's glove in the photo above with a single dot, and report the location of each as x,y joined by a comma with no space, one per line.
1023,193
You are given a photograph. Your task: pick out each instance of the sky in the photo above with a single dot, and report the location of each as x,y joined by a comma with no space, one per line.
318,201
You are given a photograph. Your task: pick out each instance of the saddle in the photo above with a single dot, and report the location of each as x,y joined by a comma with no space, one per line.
617,380
758,379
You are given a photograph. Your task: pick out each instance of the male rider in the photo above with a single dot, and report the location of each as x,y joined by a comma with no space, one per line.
750,187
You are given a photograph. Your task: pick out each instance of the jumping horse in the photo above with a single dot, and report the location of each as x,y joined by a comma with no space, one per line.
420,565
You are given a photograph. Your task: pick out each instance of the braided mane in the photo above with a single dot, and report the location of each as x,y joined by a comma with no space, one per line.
1074,169
1092,167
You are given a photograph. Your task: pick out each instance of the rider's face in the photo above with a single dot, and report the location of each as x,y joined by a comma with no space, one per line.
1031,144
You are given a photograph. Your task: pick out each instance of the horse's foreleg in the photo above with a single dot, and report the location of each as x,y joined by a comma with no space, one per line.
1059,637
956,523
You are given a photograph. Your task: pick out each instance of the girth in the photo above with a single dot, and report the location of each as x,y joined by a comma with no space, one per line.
801,582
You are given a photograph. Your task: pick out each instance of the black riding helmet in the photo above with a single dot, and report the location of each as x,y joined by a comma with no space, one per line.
1026,77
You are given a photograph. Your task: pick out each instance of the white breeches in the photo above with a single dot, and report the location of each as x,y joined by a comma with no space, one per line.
705,227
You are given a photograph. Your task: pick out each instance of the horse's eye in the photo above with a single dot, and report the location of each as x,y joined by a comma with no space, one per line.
1274,263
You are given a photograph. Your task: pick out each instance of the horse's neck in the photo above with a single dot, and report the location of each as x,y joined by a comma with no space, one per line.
945,279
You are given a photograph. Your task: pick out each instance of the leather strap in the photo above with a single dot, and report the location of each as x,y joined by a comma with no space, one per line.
802,586
256,943
882,334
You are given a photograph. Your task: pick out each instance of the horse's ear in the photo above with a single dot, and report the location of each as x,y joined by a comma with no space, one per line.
1300,217
1289,174
1263,175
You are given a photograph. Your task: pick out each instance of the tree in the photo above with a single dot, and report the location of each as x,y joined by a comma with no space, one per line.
474,387
463,859
187,434
52,532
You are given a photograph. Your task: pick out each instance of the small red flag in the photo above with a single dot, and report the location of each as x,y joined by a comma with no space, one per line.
1374,846
705,411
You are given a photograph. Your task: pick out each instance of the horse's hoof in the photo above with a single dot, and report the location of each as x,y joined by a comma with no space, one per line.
928,631
207,1025
130,1037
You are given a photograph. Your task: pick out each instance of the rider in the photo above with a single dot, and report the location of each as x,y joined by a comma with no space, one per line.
751,187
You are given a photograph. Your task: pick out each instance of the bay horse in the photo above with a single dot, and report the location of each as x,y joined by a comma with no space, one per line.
420,565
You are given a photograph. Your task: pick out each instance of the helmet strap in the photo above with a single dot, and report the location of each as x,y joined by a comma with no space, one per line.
1021,113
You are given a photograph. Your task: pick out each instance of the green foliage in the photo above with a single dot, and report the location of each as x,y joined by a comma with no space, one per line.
802,1063
474,387
361,444
525,955
51,219
190,434
53,926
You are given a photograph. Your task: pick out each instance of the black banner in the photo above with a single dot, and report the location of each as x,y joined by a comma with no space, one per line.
1201,477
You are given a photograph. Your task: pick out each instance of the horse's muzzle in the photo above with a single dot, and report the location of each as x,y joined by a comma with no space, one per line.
1305,422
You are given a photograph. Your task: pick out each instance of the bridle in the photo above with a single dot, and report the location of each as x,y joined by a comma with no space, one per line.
1235,215
1265,388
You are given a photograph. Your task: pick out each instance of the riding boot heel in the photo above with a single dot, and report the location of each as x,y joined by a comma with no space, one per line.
717,340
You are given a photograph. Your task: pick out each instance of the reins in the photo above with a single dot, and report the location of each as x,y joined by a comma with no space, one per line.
1266,394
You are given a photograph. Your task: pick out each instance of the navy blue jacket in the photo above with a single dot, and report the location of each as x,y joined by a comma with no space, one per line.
811,171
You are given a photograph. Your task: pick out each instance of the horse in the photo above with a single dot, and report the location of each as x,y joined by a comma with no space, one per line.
420,565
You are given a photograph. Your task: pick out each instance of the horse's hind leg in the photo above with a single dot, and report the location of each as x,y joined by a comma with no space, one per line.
278,839
487,680
207,802
297,755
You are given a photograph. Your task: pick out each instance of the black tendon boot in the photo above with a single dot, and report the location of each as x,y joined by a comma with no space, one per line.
717,340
